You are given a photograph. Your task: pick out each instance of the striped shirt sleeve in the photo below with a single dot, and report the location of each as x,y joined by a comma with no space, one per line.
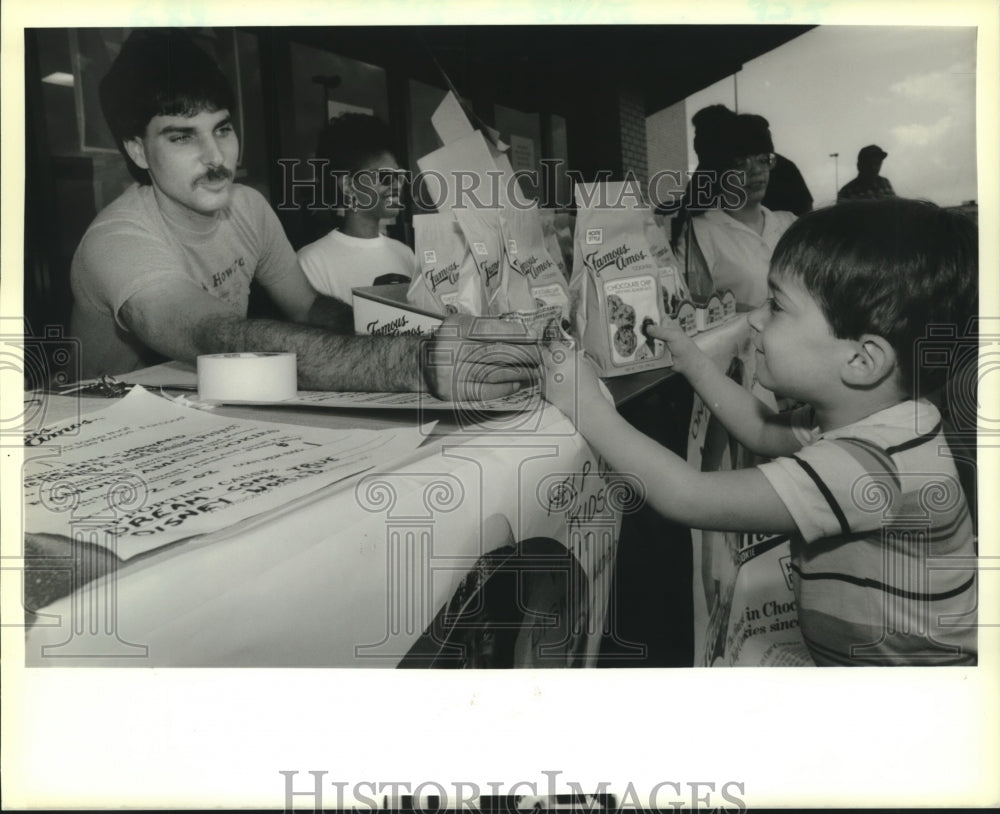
835,487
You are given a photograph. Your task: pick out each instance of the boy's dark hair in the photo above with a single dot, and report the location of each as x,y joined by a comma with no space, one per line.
159,72
351,140
893,268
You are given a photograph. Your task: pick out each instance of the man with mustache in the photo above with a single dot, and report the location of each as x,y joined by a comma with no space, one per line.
164,271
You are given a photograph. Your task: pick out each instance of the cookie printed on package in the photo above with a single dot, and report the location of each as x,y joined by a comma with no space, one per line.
616,285
632,305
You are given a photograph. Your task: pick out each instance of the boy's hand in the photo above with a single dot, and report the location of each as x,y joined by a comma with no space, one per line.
688,357
570,379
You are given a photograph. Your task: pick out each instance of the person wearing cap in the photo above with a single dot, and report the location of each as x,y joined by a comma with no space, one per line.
869,185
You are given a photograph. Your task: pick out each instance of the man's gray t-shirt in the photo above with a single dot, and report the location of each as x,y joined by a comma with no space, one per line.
135,245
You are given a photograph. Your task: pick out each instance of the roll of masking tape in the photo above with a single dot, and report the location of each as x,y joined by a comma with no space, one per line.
247,377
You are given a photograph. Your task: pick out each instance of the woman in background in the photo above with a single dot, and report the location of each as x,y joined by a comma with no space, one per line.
370,182
731,234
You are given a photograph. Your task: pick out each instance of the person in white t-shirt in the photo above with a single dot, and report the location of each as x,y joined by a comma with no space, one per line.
369,184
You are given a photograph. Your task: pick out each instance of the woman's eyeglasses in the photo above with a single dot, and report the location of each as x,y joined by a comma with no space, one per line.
745,162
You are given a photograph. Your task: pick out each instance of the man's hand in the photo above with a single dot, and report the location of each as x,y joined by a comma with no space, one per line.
475,359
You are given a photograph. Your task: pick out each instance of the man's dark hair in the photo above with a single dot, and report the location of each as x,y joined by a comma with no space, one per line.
352,140
159,72
891,267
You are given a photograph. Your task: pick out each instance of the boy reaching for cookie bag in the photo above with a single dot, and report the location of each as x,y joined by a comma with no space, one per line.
860,476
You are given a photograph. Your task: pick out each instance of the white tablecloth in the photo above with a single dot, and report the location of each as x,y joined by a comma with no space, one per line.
353,576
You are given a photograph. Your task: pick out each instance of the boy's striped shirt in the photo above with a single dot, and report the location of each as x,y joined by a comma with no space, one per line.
884,562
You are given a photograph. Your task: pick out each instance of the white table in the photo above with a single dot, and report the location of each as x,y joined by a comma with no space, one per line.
355,575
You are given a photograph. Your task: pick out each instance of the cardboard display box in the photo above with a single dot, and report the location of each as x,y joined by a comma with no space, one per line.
382,310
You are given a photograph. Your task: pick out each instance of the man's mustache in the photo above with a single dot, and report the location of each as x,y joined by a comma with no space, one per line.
215,174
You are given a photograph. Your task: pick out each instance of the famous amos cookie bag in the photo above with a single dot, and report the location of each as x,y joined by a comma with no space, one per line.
481,226
448,282
615,285
531,276
677,302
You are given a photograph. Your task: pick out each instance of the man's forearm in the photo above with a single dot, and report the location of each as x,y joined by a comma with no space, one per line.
326,361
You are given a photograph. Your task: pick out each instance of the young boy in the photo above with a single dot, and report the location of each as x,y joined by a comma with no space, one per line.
882,538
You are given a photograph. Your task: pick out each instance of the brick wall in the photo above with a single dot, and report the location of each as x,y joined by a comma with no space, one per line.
667,149
632,113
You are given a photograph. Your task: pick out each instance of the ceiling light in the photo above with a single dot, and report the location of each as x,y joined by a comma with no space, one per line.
59,78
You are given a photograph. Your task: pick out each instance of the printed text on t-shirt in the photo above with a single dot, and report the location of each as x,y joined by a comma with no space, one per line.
221,276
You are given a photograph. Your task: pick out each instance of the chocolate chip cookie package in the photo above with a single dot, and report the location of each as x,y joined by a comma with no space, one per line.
615,285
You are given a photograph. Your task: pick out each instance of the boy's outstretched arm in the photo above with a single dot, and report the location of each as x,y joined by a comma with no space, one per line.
751,422
741,500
